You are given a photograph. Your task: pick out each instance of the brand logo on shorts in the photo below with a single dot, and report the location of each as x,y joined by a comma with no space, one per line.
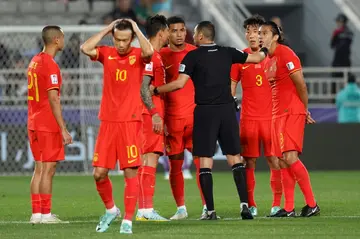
132,60
281,140
131,161
96,157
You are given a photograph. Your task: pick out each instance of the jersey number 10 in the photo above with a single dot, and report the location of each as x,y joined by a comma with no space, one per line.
121,75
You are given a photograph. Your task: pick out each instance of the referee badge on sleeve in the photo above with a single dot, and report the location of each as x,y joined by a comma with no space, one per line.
182,68
54,79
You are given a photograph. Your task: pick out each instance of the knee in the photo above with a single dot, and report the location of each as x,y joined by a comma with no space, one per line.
48,170
289,159
250,162
99,174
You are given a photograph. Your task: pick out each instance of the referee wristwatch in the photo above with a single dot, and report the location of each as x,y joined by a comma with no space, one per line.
156,92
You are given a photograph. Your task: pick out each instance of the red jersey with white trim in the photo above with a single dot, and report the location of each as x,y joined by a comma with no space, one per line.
278,69
256,100
120,100
43,75
156,70
180,103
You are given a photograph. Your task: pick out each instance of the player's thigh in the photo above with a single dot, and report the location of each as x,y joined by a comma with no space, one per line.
249,138
206,129
128,146
174,139
188,132
152,142
51,146
34,145
105,146
294,133
265,136
229,139
277,138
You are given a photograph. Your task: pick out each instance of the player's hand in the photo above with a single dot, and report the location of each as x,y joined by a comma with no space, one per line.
151,88
111,25
309,119
67,139
157,124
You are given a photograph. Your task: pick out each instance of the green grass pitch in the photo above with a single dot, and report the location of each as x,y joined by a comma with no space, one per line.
75,199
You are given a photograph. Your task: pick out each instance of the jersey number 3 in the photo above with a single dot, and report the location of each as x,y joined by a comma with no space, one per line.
259,80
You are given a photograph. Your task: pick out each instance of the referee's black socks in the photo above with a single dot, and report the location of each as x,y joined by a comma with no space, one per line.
206,182
240,181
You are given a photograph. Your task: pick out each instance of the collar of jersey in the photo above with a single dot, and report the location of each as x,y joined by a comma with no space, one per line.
207,45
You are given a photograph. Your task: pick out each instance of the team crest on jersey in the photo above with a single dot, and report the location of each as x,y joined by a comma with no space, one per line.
132,60
96,157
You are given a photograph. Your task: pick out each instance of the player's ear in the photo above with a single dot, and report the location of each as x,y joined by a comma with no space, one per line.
276,37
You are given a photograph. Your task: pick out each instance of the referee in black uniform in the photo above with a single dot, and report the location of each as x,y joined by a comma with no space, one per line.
214,116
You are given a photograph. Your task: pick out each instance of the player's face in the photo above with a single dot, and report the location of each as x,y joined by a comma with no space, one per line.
60,41
252,36
122,40
266,37
177,34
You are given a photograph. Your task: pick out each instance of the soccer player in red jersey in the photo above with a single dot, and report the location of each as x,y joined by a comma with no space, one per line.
46,127
255,120
119,136
179,109
290,114
152,116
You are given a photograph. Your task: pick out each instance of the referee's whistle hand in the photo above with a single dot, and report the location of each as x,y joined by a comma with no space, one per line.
157,123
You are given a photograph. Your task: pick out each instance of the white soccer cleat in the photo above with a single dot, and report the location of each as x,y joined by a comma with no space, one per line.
166,175
52,219
35,218
187,174
126,227
180,214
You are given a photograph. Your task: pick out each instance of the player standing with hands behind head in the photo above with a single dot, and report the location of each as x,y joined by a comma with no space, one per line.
290,114
179,119
46,127
214,114
255,120
119,135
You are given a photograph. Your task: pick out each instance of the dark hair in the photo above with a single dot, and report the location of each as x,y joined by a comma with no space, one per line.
175,20
49,32
123,25
155,24
254,20
207,29
276,30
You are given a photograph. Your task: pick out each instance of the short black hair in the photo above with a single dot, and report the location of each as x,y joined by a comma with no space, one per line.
175,20
207,28
49,32
155,24
254,20
123,25
276,30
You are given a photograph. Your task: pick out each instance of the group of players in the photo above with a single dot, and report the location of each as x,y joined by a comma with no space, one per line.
137,125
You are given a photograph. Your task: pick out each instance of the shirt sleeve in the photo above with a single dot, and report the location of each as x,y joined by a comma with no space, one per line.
187,64
291,61
238,56
101,54
52,76
149,69
235,72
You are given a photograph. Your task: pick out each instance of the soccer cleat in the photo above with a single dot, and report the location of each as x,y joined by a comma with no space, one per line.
187,174
180,214
53,219
204,214
139,216
166,175
274,210
125,228
211,216
106,220
283,213
246,213
154,216
35,219
310,211
253,211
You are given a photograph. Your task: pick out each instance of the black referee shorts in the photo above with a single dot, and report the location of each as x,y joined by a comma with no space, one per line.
212,123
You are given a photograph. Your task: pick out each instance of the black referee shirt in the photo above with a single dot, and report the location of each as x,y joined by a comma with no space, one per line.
209,67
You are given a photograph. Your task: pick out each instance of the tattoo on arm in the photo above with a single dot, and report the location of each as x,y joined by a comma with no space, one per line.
145,93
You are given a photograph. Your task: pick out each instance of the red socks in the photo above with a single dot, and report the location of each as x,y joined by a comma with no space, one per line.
196,161
276,187
104,188
131,195
177,181
36,203
147,187
288,184
303,179
250,181
45,203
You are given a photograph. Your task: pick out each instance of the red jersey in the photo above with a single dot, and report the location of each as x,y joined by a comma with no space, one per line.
120,100
155,69
179,103
278,69
43,75
256,100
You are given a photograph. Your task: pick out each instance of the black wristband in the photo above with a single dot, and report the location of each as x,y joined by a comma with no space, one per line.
265,50
156,92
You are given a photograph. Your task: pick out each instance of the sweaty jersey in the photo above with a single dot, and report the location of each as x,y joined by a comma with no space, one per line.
278,69
256,101
155,69
43,75
120,100
179,103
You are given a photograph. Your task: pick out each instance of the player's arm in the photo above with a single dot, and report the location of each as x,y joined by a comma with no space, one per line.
177,84
89,46
243,57
233,87
55,105
146,48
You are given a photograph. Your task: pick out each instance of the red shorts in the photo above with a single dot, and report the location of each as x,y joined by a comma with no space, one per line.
118,141
180,135
287,134
152,142
253,133
46,146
